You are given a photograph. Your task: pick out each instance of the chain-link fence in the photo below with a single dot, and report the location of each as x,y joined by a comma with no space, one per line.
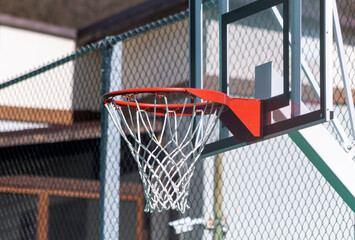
66,173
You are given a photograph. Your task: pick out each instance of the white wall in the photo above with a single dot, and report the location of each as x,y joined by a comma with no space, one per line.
22,51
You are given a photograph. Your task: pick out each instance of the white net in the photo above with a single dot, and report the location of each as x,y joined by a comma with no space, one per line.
166,163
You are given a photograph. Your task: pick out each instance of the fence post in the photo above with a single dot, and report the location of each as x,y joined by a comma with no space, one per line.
196,81
110,147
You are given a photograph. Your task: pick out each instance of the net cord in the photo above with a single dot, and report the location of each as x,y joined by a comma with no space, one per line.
159,195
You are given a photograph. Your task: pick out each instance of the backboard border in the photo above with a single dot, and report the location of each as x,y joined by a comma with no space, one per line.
246,11
322,115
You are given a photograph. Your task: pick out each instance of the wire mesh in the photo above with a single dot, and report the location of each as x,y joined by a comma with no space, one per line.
53,149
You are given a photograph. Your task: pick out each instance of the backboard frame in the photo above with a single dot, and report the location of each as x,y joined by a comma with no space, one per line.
246,11
321,115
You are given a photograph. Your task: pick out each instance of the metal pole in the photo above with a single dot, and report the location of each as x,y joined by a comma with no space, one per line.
196,81
110,142
196,46
223,7
344,70
218,234
327,61
296,36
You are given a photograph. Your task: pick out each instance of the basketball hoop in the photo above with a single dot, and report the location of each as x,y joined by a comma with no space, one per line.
177,133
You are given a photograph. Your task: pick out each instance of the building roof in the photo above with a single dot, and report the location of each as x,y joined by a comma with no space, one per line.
88,20
74,14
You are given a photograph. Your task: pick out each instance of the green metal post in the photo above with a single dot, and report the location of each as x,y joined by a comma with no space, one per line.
106,71
110,147
196,81
218,233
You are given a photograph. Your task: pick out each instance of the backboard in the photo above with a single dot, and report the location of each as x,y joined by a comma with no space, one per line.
278,51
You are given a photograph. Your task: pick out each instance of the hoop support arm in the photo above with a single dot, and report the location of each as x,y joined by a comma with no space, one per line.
244,118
